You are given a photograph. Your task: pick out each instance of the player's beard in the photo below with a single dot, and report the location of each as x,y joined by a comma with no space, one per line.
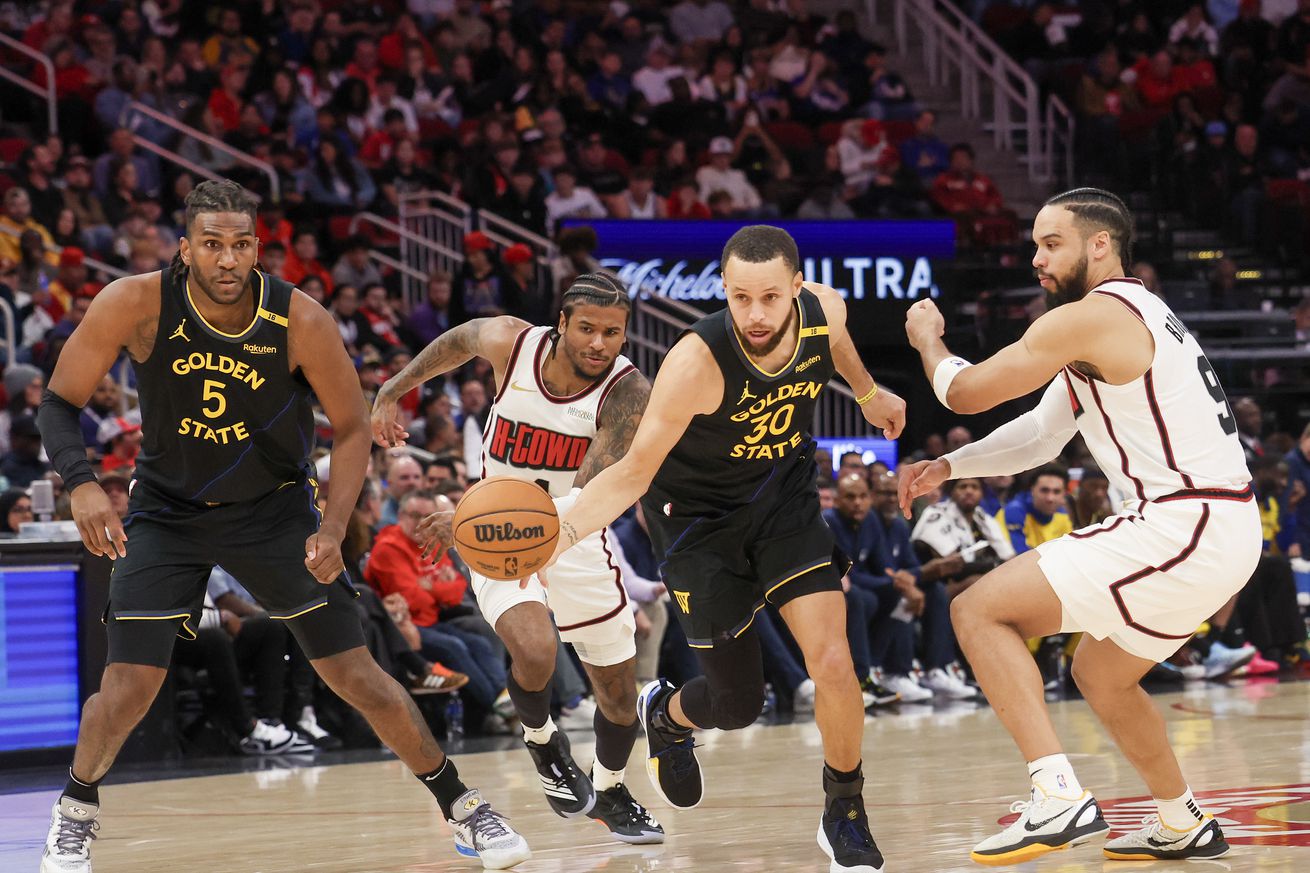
772,342
1069,290
224,295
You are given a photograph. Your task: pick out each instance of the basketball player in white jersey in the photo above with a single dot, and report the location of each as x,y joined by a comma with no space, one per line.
1125,374
567,407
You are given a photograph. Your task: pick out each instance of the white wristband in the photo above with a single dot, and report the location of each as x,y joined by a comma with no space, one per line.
944,375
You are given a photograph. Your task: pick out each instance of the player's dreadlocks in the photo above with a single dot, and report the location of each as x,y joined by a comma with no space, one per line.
222,195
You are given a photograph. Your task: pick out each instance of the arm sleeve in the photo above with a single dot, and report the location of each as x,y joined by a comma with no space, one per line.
61,432
1029,441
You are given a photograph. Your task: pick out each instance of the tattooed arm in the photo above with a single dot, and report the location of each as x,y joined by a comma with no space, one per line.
490,338
619,418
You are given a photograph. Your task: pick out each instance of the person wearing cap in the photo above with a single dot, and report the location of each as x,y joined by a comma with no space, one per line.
23,464
480,290
70,281
121,437
118,488
523,292
719,175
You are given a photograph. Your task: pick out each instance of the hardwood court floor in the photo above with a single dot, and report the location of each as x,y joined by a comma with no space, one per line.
937,780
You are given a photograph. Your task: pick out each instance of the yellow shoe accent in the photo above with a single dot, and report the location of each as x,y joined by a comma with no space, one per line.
1124,856
1018,856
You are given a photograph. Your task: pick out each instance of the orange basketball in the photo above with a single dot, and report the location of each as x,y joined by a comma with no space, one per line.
506,528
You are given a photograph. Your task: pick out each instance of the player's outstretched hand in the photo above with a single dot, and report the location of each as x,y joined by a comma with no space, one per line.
323,556
924,323
387,430
100,527
918,479
434,534
887,411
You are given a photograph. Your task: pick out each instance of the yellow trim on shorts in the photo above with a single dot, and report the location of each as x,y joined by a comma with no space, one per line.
299,614
185,616
827,563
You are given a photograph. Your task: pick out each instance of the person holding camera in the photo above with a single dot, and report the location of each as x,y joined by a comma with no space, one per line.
958,525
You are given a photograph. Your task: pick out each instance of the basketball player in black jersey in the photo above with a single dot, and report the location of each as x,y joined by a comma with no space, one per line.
227,359
726,463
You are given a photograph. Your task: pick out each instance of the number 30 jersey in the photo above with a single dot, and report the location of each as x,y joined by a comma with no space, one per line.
727,459
1169,430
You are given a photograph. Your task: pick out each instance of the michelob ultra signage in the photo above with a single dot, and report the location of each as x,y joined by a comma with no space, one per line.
869,262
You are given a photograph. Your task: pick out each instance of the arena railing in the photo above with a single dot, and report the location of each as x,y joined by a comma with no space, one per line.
189,132
47,93
956,50
504,232
419,255
435,224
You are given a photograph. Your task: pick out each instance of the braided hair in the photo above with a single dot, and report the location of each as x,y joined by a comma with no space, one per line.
599,288
221,195
1096,209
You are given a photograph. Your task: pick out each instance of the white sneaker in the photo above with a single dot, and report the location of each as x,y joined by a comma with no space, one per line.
308,727
909,690
802,699
483,833
1048,824
944,684
579,717
73,826
1155,842
274,738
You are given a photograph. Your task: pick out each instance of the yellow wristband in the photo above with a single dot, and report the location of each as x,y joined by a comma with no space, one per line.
860,401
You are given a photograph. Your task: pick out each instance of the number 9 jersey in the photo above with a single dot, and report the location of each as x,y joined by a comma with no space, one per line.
1169,429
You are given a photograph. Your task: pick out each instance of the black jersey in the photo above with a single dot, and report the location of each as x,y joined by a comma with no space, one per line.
223,418
727,458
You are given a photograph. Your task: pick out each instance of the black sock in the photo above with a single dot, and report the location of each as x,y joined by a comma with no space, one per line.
87,792
614,742
445,785
533,706
842,783
414,663
1233,636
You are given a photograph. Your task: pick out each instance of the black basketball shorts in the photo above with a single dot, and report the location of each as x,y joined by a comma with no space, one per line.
156,592
721,570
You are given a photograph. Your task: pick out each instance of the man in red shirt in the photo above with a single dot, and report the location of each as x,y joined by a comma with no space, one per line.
396,565
973,200
302,260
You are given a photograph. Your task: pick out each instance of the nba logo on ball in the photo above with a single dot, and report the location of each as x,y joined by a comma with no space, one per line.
506,528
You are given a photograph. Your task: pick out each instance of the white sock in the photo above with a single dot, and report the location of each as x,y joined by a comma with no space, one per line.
541,734
602,778
1180,814
1053,775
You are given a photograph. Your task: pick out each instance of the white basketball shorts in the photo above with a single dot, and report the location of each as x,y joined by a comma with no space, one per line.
585,593
1148,577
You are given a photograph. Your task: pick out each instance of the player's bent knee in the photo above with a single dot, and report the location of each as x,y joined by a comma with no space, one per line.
831,663
738,708
533,667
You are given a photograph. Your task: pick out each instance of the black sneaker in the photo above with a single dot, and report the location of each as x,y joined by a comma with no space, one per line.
845,838
627,819
670,757
568,790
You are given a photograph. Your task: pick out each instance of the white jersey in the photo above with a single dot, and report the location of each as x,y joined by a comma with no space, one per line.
1169,430
535,435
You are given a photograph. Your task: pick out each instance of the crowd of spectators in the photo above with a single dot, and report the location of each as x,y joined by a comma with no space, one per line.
539,117
1206,104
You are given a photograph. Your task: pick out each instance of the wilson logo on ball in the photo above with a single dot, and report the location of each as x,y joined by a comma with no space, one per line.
507,532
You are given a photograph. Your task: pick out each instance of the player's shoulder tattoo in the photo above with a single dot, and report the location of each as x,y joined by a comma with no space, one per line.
620,417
